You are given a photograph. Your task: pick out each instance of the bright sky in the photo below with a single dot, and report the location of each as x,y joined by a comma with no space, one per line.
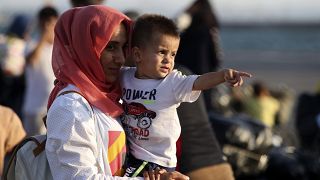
227,10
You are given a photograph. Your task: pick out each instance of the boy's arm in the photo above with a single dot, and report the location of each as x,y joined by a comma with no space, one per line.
212,79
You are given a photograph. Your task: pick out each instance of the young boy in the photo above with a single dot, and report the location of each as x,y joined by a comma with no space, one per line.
153,90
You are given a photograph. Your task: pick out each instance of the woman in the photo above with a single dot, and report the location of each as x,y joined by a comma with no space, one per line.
84,137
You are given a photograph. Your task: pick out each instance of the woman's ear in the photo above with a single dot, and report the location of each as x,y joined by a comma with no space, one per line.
136,54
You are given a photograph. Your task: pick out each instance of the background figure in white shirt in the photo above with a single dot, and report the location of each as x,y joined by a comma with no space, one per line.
153,90
39,74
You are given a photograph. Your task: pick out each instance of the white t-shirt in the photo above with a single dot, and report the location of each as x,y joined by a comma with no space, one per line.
152,125
80,141
39,78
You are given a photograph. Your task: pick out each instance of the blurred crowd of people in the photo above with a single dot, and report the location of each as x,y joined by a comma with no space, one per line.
26,76
26,79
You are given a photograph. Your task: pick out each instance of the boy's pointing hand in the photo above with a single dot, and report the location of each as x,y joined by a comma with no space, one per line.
235,78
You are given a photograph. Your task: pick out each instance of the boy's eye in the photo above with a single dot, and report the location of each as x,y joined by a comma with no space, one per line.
162,52
173,54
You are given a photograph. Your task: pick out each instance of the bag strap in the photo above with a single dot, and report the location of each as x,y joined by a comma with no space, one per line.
14,154
40,145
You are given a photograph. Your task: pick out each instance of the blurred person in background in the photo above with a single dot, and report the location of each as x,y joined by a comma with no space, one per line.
79,3
199,46
12,63
11,133
199,153
39,74
308,121
262,105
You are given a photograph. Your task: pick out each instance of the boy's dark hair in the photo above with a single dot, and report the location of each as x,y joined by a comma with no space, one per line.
45,15
148,24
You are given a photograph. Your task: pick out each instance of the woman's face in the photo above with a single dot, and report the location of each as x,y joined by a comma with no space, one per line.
112,57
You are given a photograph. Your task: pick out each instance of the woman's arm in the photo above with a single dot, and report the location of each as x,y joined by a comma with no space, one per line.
71,146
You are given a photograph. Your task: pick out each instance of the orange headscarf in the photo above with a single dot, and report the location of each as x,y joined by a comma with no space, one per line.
81,34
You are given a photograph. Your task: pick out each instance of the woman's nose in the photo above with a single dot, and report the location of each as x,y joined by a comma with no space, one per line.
120,58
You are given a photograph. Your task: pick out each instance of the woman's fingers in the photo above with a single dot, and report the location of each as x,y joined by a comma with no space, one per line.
178,176
149,175
156,174
161,174
146,175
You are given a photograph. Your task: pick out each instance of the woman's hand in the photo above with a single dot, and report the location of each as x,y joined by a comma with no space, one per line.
162,174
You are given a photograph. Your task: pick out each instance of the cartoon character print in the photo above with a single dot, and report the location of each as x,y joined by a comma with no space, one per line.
137,120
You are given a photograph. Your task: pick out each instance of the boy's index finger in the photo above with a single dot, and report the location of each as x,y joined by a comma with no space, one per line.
241,73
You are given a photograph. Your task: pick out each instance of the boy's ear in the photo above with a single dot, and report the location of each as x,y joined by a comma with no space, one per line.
136,54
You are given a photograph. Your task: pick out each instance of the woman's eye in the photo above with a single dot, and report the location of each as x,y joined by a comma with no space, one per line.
110,47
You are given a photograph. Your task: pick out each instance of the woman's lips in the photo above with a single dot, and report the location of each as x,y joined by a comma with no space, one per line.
114,70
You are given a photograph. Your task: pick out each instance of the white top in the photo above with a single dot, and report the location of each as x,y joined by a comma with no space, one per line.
153,130
78,138
39,80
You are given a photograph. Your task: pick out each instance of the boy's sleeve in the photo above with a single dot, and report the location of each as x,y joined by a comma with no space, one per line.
182,87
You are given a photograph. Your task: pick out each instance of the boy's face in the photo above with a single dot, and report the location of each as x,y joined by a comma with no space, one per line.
156,59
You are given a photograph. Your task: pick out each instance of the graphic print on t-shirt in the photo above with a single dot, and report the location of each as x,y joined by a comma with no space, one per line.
137,120
148,97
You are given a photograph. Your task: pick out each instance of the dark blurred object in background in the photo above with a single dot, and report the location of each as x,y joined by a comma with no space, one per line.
12,61
199,45
293,164
79,3
308,121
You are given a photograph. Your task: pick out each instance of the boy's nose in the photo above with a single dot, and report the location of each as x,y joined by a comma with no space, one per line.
166,59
